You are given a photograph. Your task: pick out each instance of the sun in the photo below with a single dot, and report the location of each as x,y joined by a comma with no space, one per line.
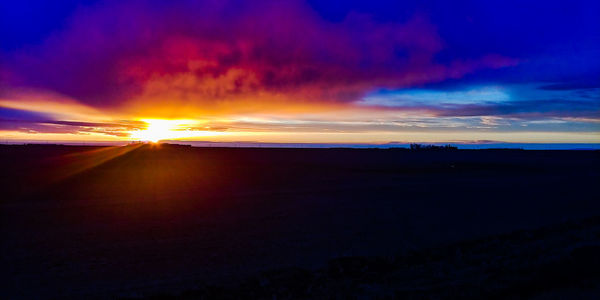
158,130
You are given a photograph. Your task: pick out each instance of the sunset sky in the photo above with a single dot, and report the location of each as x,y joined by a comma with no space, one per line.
300,71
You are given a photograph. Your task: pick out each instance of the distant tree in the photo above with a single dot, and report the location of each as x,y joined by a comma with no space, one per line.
419,147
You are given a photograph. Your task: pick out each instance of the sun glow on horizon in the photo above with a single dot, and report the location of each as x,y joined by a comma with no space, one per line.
159,129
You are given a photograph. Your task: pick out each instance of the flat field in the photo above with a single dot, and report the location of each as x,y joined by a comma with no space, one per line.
164,219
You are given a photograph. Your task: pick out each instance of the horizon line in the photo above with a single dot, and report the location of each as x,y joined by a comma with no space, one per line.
389,145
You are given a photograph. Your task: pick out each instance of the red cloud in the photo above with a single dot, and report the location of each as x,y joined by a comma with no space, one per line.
232,56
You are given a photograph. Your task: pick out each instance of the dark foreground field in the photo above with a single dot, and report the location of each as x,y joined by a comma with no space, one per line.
174,221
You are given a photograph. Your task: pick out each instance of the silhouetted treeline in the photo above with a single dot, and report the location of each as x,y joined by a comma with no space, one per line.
432,147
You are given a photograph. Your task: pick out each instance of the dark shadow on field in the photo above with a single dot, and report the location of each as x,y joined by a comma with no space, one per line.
151,219
554,262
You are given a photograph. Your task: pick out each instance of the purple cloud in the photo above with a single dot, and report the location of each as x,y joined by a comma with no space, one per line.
210,53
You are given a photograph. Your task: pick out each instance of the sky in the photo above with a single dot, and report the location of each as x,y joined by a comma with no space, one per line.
300,71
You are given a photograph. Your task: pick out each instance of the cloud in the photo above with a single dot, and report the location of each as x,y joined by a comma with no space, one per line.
565,86
231,56
11,115
26,121
507,101
519,109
